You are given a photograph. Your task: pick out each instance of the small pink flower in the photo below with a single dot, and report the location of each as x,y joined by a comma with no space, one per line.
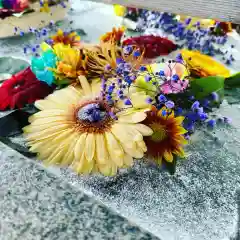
174,87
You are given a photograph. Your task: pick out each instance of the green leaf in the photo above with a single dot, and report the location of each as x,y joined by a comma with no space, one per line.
233,81
203,87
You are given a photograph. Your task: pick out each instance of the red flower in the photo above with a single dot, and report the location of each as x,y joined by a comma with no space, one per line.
21,89
153,46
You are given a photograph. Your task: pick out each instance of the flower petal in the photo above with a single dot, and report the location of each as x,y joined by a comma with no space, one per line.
90,147
79,147
101,149
85,85
168,156
133,118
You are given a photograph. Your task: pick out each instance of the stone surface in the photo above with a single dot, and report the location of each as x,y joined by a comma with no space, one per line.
35,204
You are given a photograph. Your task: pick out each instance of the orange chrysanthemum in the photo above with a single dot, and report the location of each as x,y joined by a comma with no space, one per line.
71,38
115,35
167,138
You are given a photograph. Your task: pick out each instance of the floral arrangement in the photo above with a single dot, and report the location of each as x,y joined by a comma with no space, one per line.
100,107
205,35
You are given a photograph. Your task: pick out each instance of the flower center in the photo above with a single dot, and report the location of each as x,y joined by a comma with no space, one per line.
92,112
159,132
93,117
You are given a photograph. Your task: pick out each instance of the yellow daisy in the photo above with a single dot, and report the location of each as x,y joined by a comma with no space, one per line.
76,128
167,139
201,65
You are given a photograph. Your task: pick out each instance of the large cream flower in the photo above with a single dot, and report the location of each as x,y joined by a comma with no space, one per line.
76,128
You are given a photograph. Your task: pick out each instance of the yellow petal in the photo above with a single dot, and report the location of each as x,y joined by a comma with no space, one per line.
143,129
133,118
47,113
101,149
105,169
44,105
47,132
180,131
179,120
180,152
139,100
85,85
114,147
142,146
96,86
128,160
130,131
168,156
83,165
79,147
121,135
69,156
90,147
135,152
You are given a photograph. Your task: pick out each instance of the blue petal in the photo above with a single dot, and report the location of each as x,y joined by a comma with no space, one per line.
45,76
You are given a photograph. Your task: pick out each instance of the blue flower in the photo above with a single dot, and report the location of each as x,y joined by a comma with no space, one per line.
40,67
162,98
211,123
170,104
195,105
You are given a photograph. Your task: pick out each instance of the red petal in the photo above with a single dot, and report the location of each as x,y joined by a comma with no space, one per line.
21,89
154,46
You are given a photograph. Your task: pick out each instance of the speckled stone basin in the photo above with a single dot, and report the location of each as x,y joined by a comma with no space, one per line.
198,203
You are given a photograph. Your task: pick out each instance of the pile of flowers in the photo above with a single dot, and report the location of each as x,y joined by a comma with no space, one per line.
205,35
110,105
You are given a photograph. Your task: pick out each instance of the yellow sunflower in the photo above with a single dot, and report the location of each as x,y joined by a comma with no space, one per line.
201,65
71,63
167,139
71,38
76,128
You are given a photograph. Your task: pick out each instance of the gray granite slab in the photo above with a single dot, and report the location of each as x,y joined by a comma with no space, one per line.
35,204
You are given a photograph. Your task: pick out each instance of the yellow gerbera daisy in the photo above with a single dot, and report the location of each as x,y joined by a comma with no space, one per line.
201,65
76,128
167,138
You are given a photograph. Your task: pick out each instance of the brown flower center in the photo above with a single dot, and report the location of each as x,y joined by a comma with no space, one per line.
159,132
93,117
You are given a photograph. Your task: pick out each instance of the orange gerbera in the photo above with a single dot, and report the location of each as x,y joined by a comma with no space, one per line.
71,38
167,138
